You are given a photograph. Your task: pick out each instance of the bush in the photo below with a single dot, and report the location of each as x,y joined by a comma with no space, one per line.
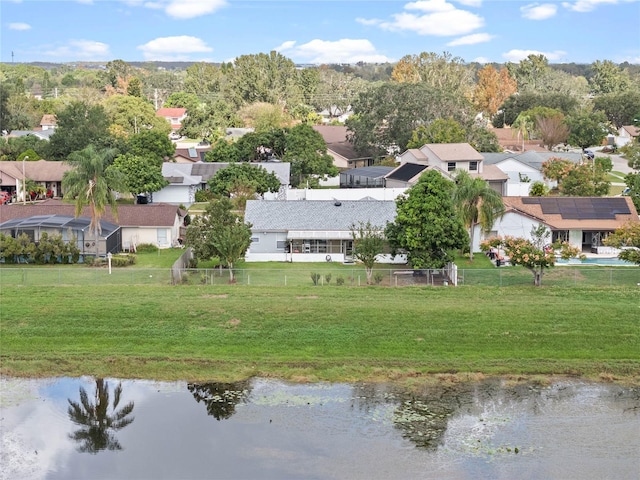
377,277
203,196
146,248
123,260
327,278
340,281
315,278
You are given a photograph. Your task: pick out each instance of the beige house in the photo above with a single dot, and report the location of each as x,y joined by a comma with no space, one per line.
45,173
48,122
447,158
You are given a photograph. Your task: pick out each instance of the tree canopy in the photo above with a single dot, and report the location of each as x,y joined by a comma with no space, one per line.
427,226
240,176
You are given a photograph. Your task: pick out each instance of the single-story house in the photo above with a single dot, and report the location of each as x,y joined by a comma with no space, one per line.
364,177
44,173
312,230
522,169
186,178
582,221
157,223
340,148
173,115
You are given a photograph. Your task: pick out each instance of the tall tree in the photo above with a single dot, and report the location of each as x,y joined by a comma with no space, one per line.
368,243
427,226
306,150
79,125
492,89
270,78
531,74
439,72
90,183
477,204
620,108
587,129
386,115
232,242
129,115
438,131
227,180
100,418
151,143
143,173
608,78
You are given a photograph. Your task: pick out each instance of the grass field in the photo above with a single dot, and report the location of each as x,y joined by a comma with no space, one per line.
224,332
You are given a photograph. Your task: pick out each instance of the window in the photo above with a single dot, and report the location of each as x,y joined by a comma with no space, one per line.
281,244
451,166
255,239
473,166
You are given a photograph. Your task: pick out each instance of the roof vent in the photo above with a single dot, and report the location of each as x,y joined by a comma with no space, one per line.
337,203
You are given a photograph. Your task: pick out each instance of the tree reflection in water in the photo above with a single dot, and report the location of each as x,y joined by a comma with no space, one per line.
220,398
98,419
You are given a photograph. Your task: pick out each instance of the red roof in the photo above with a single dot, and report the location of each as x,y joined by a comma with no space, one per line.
171,112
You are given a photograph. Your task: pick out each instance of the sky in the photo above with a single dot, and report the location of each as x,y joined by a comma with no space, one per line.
319,31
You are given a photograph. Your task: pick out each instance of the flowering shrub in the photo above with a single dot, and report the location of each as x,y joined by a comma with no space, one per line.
535,254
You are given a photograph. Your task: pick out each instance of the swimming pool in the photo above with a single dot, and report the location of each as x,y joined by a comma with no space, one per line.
609,261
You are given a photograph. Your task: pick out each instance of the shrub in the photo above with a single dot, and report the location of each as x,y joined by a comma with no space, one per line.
146,248
327,278
203,196
123,260
315,278
340,281
377,277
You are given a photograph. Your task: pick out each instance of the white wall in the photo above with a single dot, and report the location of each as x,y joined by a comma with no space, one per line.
511,224
173,194
315,257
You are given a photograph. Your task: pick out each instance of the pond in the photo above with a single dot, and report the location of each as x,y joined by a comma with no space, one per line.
66,428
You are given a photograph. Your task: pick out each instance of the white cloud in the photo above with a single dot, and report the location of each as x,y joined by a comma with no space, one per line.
471,3
516,55
19,26
346,50
471,39
482,60
193,8
584,6
537,11
180,9
173,48
81,50
369,21
86,2
433,17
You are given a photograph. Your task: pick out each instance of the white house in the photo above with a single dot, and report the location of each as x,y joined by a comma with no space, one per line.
187,178
582,221
174,116
312,230
523,169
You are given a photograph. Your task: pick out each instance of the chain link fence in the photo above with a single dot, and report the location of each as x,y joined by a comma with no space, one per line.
323,276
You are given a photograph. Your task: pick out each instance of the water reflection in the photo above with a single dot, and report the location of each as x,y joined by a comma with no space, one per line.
274,429
220,398
98,418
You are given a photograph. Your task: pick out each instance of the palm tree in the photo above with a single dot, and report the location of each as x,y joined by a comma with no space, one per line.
477,204
91,183
96,424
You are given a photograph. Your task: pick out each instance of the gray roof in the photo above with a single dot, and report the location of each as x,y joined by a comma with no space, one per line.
57,221
42,134
325,215
531,158
201,172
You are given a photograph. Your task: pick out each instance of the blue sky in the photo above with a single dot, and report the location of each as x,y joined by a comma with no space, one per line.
319,31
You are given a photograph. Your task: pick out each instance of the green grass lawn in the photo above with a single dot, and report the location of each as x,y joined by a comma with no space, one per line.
225,332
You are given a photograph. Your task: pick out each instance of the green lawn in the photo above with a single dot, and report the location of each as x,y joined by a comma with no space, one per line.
318,333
